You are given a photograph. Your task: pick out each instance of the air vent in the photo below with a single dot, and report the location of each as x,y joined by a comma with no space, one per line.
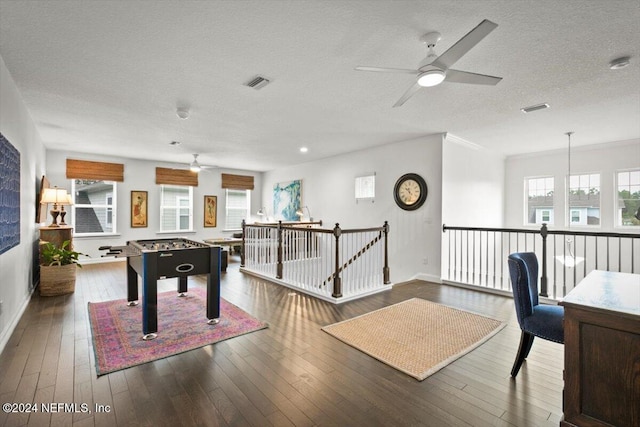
258,82
534,108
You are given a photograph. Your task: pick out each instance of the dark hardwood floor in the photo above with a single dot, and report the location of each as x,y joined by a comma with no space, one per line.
289,374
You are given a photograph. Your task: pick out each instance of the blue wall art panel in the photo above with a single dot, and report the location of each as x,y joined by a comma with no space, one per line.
9,195
286,200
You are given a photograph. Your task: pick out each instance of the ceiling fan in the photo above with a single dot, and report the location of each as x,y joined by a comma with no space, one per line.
195,166
434,69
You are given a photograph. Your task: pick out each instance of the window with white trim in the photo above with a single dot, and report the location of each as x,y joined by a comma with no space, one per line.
176,208
539,201
627,203
546,216
584,199
94,206
237,208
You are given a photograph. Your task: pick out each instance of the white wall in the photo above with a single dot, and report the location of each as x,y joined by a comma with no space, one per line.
472,185
18,127
139,175
604,159
328,190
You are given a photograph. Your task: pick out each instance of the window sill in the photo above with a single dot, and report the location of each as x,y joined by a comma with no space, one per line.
94,235
177,232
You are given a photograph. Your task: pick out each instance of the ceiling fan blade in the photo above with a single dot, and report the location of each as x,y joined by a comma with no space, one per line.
408,94
457,76
387,70
464,45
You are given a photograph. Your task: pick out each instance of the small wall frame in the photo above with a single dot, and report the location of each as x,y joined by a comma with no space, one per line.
210,211
139,209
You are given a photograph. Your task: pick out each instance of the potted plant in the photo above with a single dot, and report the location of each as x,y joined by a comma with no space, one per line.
58,269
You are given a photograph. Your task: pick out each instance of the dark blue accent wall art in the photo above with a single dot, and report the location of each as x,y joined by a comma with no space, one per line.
9,195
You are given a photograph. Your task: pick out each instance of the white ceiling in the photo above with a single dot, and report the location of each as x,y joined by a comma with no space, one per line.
106,77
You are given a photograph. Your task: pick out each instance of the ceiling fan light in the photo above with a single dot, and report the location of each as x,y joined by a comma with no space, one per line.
195,166
431,78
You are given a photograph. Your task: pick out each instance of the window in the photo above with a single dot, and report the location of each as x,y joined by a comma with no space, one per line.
176,206
109,209
365,187
238,204
584,199
575,216
94,206
628,200
539,200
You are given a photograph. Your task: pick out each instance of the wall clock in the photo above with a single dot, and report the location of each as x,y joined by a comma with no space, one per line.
410,191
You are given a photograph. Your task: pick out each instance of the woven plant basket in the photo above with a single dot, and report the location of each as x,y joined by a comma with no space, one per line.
57,279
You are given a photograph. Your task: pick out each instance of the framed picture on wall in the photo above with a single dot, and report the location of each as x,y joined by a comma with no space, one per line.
210,210
138,209
286,199
41,208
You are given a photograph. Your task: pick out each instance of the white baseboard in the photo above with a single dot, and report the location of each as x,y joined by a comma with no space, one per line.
427,278
4,339
101,260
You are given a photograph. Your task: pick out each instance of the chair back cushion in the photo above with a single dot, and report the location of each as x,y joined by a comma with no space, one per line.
523,268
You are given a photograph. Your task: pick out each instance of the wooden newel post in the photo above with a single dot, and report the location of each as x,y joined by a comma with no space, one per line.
244,234
543,279
385,269
279,265
337,282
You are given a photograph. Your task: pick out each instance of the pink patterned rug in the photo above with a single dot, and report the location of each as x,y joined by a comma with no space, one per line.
182,326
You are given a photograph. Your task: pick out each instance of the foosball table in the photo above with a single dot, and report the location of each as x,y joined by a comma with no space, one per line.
167,258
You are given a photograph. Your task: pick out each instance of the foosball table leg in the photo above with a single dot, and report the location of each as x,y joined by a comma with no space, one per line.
149,296
213,287
182,286
132,285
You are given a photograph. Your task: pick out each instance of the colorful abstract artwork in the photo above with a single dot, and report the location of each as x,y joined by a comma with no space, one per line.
9,195
286,200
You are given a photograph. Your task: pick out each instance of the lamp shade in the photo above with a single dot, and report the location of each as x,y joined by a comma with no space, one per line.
54,195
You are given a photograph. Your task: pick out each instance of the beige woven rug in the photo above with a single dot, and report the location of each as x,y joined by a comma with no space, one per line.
417,337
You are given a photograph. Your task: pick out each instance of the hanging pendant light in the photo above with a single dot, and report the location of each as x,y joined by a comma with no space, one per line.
569,177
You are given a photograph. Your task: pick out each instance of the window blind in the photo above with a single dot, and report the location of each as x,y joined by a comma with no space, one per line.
176,177
237,182
101,171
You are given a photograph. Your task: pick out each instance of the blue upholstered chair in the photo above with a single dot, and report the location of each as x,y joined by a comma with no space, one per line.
544,321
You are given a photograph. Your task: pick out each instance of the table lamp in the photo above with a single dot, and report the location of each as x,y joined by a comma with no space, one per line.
69,202
300,212
55,196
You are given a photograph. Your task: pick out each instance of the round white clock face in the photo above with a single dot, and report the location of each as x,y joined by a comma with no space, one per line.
409,192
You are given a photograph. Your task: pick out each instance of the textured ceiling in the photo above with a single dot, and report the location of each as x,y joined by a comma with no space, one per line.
107,77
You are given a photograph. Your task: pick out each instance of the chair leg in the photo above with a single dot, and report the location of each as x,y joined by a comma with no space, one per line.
526,340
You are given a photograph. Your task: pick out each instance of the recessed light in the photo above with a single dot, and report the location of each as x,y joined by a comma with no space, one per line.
618,63
182,113
303,149
534,108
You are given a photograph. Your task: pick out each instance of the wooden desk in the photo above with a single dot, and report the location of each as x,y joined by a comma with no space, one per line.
602,351
224,241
